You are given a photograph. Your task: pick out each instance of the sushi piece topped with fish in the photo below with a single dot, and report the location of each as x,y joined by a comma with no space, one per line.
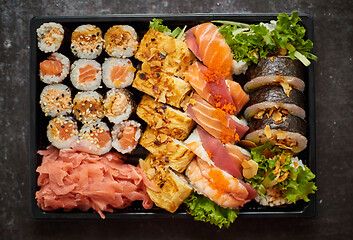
120,41
118,105
86,74
55,69
50,36
94,138
126,136
55,100
118,73
62,132
88,107
87,41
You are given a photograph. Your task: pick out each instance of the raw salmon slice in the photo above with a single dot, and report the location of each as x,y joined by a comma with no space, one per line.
51,67
240,98
87,74
119,74
128,138
210,47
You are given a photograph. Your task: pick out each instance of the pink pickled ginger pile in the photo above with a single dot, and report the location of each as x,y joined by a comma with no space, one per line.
70,179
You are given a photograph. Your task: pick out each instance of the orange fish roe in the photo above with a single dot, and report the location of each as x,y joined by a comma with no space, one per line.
227,133
227,107
209,153
219,182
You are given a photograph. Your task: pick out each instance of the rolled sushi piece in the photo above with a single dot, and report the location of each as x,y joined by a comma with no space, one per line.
118,73
55,100
86,74
118,105
62,132
276,71
94,138
273,97
120,41
126,136
87,41
55,69
50,36
88,107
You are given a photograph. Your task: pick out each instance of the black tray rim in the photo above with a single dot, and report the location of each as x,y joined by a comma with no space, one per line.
37,214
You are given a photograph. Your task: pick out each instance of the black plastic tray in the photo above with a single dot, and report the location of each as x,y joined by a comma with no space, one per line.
38,122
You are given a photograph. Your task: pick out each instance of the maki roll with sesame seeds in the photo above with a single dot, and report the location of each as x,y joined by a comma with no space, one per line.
126,136
88,107
120,41
50,36
86,74
94,138
55,100
62,132
87,41
118,73
118,105
55,69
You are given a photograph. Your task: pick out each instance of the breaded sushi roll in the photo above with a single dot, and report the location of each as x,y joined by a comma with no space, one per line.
118,105
88,106
118,73
50,36
126,136
55,69
87,41
55,100
62,132
120,41
86,74
94,138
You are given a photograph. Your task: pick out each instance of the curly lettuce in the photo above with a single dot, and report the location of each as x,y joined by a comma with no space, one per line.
157,24
286,36
203,209
275,168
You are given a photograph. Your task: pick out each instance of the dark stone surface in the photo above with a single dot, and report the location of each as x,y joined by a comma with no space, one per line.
334,104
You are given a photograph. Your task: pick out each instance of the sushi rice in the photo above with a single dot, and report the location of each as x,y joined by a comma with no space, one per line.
55,100
86,74
87,41
94,138
118,105
118,73
52,59
50,36
121,137
62,132
120,41
88,107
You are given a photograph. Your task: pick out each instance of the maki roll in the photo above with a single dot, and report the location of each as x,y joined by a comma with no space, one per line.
87,41
282,71
120,41
55,69
118,73
88,106
55,100
118,105
126,136
62,132
274,97
50,36
86,74
94,138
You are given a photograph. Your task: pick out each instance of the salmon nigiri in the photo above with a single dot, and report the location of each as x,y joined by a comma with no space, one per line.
215,121
210,47
225,94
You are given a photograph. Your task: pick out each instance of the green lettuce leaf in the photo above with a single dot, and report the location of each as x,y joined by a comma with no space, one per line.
157,24
203,209
249,43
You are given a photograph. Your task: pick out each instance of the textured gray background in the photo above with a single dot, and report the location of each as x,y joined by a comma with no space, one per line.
334,91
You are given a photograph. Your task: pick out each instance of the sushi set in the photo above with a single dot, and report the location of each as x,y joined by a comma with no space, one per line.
204,116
